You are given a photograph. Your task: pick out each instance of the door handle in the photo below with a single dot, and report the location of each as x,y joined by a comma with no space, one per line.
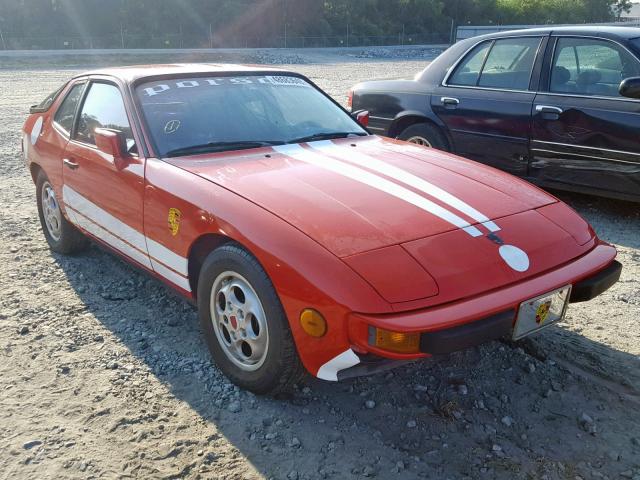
69,163
449,101
548,109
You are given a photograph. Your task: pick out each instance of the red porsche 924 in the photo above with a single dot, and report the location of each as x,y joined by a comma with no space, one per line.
305,241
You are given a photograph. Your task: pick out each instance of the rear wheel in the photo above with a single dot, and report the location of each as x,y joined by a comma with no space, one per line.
60,234
244,324
425,134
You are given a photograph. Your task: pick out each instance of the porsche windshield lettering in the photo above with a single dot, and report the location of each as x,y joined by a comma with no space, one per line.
282,80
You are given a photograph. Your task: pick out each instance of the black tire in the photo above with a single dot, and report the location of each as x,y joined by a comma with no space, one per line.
429,133
281,367
69,240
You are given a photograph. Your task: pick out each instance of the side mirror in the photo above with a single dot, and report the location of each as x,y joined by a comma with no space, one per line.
630,87
362,117
112,143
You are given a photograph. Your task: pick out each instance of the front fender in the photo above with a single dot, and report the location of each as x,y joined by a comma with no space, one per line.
304,274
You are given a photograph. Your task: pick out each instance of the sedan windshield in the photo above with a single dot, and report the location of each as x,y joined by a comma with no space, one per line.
211,114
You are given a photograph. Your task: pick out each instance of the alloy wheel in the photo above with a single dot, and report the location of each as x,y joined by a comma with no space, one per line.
419,141
51,211
239,321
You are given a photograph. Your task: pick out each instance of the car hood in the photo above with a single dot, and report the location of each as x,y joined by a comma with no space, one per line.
359,194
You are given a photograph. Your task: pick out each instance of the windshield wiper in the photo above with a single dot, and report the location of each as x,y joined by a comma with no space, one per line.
220,147
325,136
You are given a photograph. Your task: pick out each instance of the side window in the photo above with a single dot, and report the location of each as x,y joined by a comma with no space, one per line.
103,108
505,63
587,66
510,63
44,105
67,109
468,70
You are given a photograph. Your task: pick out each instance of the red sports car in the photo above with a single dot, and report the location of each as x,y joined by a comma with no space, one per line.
304,240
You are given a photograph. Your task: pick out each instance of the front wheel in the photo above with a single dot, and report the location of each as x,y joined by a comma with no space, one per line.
244,324
426,135
60,234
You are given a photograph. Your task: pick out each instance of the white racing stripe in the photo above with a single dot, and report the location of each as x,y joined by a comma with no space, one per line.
108,238
167,257
170,275
405,177
379,183
117,234
107,221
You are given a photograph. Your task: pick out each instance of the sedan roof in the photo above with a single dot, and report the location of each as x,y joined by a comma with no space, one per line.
132,73
607,31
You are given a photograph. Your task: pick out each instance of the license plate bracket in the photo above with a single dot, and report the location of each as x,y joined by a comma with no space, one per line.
540,312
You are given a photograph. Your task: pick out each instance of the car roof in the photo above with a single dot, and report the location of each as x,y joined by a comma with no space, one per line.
607,31
133,73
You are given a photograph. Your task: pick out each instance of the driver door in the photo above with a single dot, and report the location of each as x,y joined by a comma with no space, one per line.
104,199
584,134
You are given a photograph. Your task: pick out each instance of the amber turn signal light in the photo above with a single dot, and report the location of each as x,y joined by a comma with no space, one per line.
398,342
313,323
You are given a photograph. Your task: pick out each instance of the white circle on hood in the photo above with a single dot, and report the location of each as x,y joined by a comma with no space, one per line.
515,257
35,133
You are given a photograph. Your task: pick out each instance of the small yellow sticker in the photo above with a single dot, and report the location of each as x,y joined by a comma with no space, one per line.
174,220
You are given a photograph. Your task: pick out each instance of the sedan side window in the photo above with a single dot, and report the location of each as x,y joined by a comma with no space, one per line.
587,66
468,72
67,109
510,63
104,108
505,63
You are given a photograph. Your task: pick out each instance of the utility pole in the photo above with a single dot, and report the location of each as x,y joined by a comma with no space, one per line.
210,36
347,34
122,35
284,20
452,35
4,45
402,35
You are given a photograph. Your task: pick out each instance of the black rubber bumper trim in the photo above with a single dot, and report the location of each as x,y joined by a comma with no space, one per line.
468,335
593,286
370,365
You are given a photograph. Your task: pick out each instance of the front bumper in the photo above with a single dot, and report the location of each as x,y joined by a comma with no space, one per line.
594,285
489,316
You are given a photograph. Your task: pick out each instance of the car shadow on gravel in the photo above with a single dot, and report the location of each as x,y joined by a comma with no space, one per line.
497,411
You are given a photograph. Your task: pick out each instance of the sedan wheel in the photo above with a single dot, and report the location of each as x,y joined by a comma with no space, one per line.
425,134
419,141
239,321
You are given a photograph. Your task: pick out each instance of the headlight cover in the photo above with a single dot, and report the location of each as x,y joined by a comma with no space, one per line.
395,274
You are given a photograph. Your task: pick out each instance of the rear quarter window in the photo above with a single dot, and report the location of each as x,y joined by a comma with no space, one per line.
67,109
44,105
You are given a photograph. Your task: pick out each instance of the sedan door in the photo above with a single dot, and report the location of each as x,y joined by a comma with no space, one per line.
100,196
485,101
584,134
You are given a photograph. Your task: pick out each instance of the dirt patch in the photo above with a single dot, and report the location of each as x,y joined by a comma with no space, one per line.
103,372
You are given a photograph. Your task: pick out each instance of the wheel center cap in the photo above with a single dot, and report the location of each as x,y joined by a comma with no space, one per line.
234,321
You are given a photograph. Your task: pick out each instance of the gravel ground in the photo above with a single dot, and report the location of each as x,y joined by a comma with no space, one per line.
103,372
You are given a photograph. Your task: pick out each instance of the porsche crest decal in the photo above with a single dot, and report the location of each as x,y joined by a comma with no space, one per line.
542,312
174,220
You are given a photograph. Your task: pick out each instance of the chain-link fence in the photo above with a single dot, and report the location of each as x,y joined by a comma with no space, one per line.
194,40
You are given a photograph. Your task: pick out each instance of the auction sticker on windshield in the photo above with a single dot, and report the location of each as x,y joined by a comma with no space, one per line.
540,312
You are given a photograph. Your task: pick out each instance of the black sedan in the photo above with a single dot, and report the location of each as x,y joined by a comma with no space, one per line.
552,105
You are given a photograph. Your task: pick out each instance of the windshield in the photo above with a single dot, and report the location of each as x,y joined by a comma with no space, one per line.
200,114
